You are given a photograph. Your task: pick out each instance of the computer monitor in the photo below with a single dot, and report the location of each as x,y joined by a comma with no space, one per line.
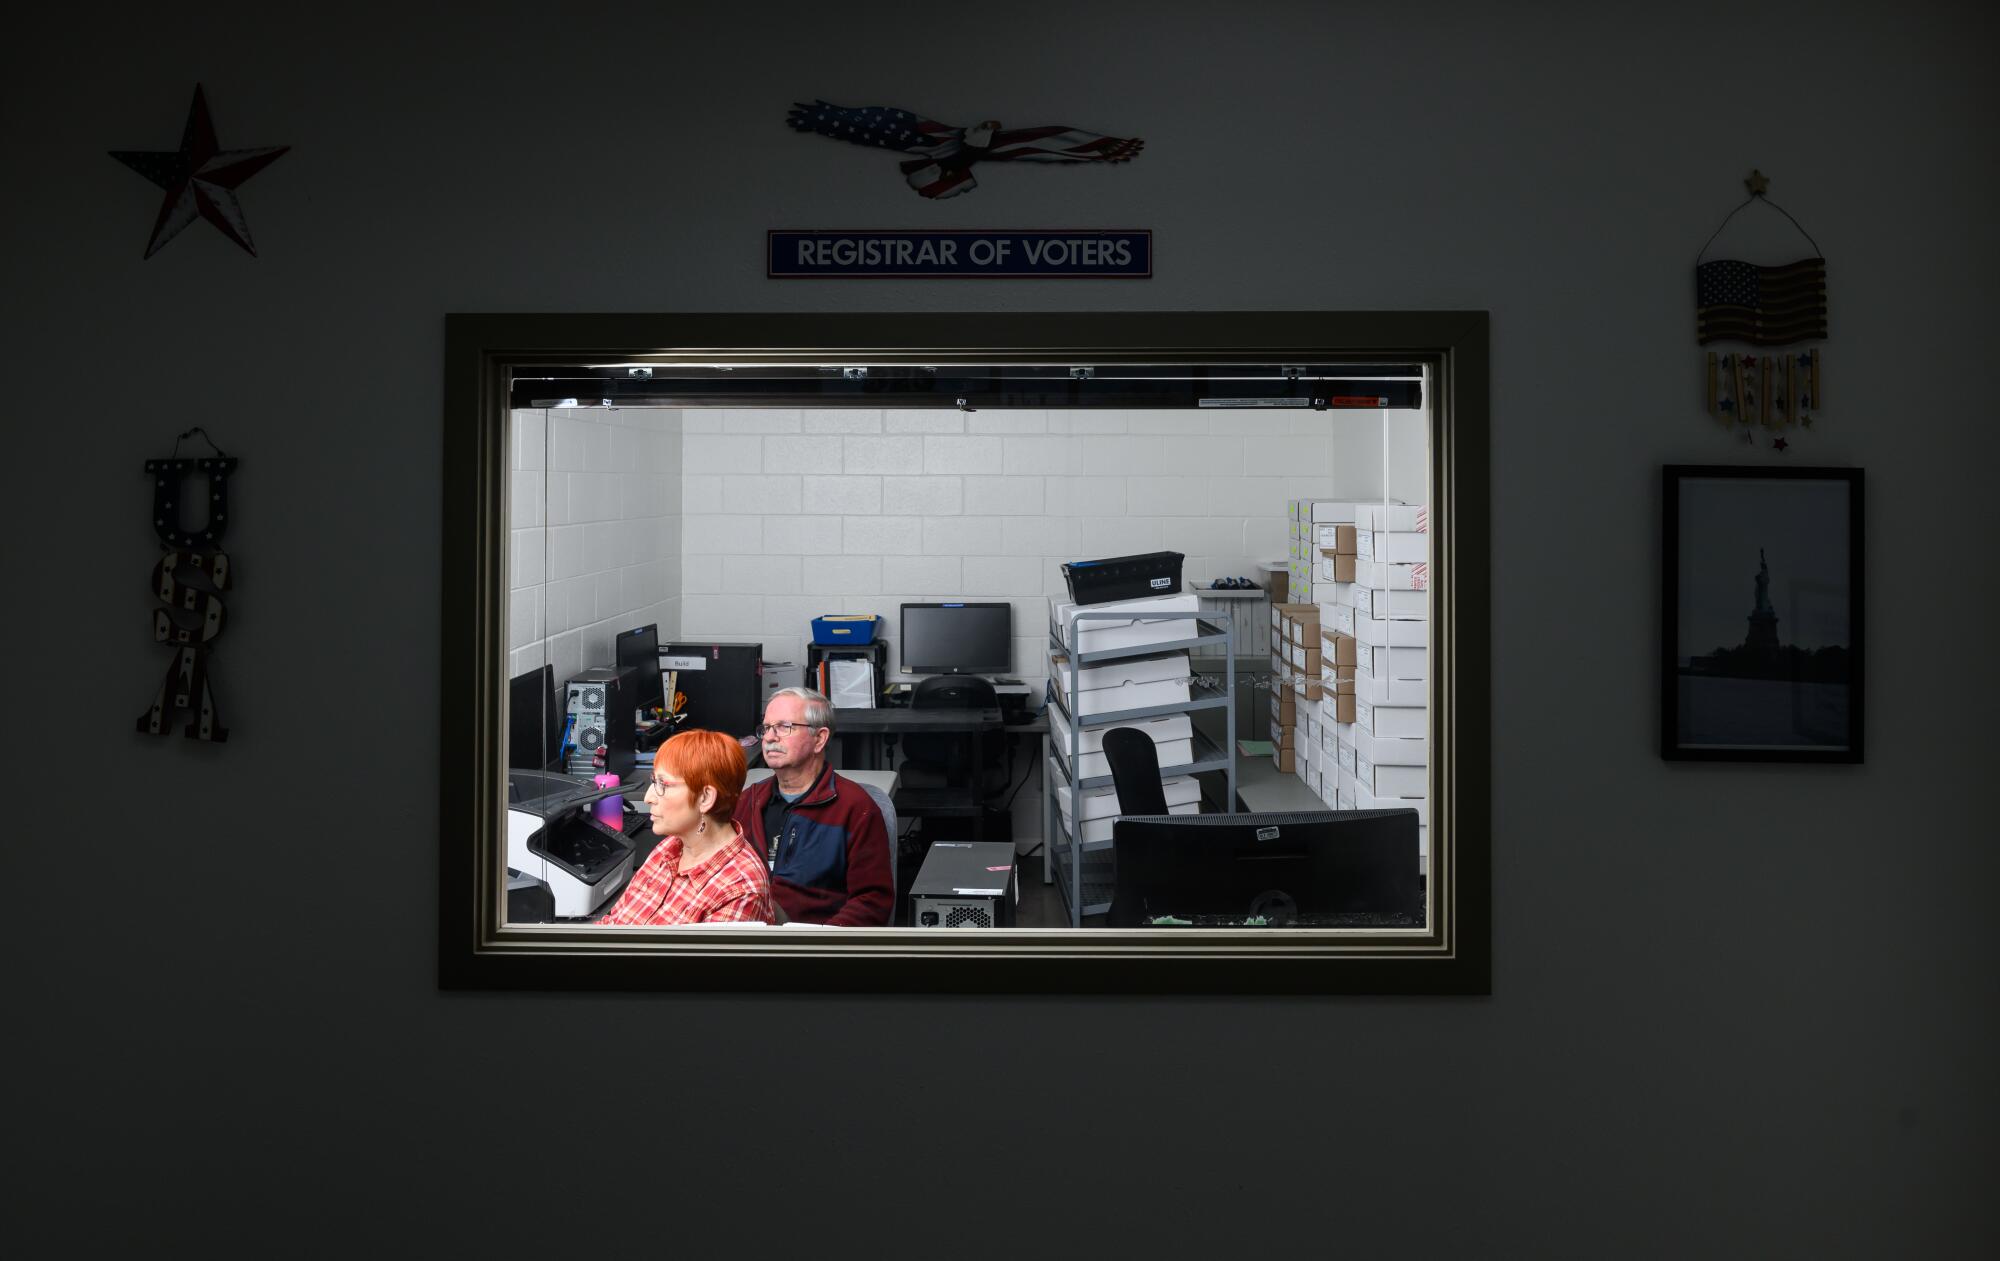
534,720
639,651
1302,870
958,638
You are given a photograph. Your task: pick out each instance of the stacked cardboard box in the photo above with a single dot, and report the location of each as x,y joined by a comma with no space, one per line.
1316,524
1295,672
1378,629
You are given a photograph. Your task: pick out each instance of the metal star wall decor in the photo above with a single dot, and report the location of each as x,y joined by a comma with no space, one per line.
200,179
945,153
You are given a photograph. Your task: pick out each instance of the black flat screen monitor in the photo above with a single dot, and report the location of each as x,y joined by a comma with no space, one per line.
958,638
639,650
534,720
1329,868
723,683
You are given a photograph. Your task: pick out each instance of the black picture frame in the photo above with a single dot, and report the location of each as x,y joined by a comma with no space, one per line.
1746,676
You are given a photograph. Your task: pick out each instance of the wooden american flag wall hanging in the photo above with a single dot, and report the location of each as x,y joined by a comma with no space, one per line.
1778,309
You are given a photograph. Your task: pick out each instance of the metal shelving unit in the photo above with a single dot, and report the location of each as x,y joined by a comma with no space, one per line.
1083,869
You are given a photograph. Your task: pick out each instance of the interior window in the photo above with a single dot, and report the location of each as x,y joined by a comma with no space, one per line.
1105,646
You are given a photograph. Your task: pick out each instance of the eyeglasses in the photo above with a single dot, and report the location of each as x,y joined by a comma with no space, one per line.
660,786
785,729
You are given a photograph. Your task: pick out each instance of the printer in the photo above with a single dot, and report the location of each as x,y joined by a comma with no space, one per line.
555,839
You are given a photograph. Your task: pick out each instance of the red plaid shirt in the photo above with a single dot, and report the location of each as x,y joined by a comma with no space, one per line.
731,885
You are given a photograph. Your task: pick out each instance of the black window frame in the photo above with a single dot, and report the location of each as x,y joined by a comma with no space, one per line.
477,949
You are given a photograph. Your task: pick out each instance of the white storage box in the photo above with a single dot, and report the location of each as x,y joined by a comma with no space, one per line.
1383,751
1393,663
1392,722
1327,511
1108,674
1382,633
1385,577
1398,606
1338,616
1392,547
1349,787
1132,684
1344,752
1422,805
1133,631
1374,690
1413,518
1097,831
1173,735
1389,781
1100,805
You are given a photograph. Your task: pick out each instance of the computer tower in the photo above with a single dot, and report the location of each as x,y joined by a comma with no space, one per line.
966,884
723,683
599,708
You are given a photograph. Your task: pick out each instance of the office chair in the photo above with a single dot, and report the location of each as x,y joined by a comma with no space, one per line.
888,809
951,755
1135,771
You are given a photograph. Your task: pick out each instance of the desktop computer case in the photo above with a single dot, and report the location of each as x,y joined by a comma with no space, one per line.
954,887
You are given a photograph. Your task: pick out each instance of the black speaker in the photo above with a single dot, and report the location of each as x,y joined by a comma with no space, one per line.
599,711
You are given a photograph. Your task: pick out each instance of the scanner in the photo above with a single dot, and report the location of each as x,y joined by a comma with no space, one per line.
555,839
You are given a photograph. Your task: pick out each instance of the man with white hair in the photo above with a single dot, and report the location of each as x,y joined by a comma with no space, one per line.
821,836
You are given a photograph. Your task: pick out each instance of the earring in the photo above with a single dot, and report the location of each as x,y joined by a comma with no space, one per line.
702,826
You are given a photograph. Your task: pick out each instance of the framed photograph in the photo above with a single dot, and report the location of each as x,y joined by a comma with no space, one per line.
1761,637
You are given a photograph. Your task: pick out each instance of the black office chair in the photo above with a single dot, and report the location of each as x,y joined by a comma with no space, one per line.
1135,771
949,756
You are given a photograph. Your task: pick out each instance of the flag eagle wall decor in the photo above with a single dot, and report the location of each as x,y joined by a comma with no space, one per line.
944,154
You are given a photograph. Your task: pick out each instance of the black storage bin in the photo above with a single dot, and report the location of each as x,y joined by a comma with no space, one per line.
1123,577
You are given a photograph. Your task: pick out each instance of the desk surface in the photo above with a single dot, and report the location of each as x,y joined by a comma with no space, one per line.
1261,788
902,719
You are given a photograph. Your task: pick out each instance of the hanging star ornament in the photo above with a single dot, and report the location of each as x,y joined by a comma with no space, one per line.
200,179
1779,445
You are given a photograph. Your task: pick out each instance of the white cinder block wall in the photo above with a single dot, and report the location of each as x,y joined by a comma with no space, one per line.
792,513
596,533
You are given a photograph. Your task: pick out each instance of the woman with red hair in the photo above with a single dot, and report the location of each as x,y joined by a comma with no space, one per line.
702,871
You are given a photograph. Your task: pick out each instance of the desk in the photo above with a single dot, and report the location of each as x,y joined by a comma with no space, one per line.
1261,788
903,720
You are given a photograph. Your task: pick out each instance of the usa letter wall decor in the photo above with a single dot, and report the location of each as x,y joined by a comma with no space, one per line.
189,580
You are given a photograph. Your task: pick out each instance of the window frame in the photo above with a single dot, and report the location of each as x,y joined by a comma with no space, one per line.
477,950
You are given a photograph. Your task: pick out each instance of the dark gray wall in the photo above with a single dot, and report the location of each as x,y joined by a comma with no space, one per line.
1735,1011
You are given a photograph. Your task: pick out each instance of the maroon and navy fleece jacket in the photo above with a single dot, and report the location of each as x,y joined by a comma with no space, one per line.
833,860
